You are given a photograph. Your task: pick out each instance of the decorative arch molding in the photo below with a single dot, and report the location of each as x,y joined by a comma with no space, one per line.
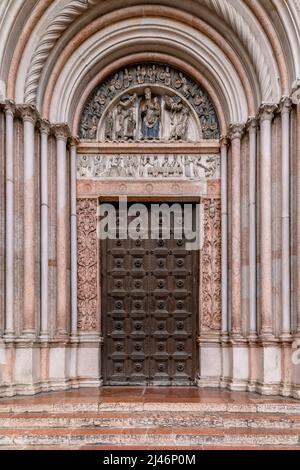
113,112
130,36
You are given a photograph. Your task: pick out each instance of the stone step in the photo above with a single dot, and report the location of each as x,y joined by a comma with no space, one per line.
180,437
150,420
151,406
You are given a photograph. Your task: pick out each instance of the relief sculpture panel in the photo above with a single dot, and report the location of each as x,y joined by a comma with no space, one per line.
189,167
149,102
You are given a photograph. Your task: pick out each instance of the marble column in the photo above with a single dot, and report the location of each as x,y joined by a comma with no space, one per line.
285,108
9,220
266,116
62,246
44,132
252,130
236,131
224,215
296,101
29,320
73,150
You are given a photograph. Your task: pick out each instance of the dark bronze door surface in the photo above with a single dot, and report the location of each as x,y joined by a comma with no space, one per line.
149,311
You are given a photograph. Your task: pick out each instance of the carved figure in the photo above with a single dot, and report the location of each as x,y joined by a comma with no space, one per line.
109,126
150,113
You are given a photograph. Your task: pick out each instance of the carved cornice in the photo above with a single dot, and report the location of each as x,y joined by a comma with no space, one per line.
61,131
285,105
251,43
28,113
236,130
295,96
266,111
56,28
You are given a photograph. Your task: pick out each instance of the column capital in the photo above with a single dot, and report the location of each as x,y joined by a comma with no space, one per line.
236,130
28,113
266,111
285,105
295,95
224,141
9,107
252,124
74,141
45,126
61,131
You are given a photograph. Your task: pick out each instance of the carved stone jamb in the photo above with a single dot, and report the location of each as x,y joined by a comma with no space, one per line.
295,96
211,299
87,291
235,133
266,115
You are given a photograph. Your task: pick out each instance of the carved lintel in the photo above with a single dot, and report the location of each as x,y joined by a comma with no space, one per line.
266,111
236,130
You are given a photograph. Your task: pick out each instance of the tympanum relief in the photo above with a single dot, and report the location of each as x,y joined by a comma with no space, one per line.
148,166
149,102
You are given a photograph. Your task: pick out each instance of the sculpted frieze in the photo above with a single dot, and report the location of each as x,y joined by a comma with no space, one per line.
149,102
149,166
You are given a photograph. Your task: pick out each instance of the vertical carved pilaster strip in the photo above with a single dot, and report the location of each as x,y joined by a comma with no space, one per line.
266,117
87,264
236,131
9,220
211,299
29,321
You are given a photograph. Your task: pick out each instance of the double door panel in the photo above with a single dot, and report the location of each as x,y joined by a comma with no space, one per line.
149,311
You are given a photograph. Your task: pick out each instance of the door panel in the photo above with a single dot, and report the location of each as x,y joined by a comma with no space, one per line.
149,311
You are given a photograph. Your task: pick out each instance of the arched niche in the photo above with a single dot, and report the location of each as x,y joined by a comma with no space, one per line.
151,101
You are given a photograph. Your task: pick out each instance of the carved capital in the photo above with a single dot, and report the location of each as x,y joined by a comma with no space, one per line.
224,141
285,105
236,131
295,96
28,113
266,111
74,141
251,125
61,131
45,126
9,107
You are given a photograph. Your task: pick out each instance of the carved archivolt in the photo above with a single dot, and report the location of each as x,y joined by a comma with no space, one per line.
87,264
149,102
193,167
53,32
251,43
211,310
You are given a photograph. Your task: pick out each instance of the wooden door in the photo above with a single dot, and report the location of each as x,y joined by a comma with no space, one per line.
149,311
